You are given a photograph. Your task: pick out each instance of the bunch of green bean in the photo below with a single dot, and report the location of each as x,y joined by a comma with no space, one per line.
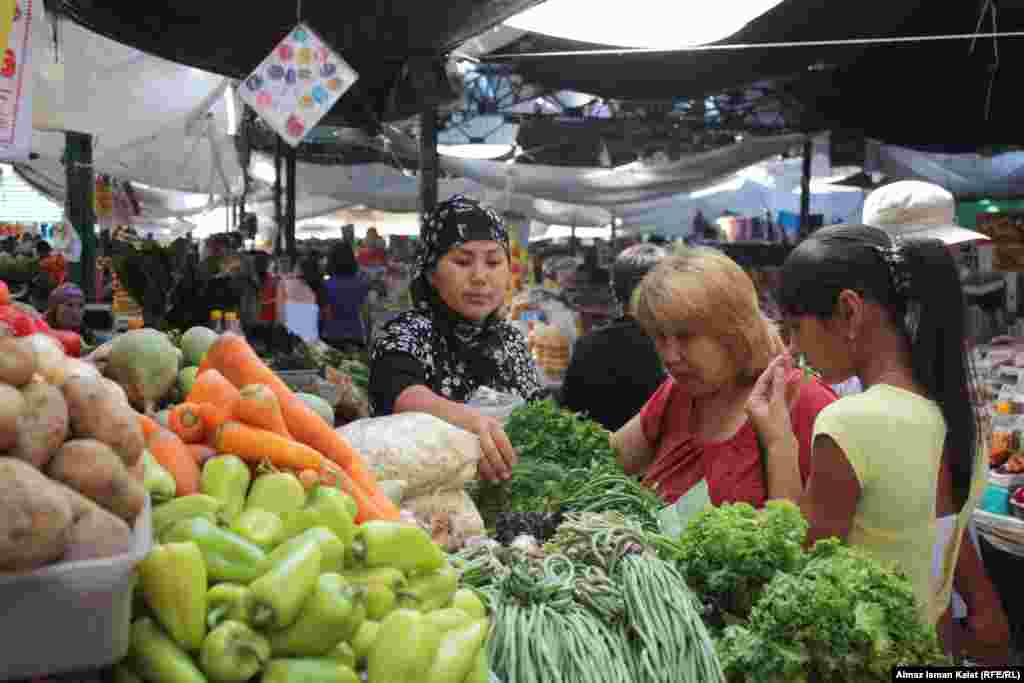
671,642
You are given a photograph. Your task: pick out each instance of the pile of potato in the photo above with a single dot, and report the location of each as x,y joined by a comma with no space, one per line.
71,466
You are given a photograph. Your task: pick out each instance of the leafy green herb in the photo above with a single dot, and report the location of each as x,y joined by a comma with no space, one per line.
543,431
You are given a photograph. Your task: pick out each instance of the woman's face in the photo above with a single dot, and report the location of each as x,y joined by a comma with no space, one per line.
700,364
824,345
472,278
69,314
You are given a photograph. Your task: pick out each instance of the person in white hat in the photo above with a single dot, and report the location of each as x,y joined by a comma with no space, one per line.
920,209
914,208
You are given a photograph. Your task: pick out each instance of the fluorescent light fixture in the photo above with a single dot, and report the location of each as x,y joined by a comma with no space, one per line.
664,24
232,107
475,151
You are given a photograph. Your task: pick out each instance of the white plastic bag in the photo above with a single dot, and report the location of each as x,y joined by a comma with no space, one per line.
426,452
494,403
451,515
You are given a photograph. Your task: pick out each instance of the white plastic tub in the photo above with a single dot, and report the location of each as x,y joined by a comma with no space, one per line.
70,617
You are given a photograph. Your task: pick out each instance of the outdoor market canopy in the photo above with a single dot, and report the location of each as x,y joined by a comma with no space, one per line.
377,37
905,93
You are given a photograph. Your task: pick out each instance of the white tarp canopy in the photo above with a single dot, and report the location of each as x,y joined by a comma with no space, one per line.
999,176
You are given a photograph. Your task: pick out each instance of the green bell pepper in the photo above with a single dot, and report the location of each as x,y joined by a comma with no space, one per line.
278,595
419,640
481,671
310,670
229,557
186,507
124,674
279,492
173,581
364,639
233,653
325,507
262,527
469,602
227,601
344,654
332,550
159,656
429,592
457,653
157,480
325,618
383,586
383,543
226,478
445,620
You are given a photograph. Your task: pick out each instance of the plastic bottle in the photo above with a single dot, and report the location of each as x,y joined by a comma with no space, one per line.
232,323
217,321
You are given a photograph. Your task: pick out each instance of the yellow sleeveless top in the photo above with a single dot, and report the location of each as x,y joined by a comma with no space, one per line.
893,440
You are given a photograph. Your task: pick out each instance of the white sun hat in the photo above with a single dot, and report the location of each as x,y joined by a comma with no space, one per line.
919,209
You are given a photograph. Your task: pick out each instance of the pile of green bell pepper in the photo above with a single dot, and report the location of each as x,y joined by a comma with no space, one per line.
260,579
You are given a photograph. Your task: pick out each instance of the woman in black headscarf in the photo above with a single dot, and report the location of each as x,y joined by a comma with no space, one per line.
431,359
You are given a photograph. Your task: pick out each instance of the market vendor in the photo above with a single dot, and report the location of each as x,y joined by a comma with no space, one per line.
859,302
65,310
433,358
701,310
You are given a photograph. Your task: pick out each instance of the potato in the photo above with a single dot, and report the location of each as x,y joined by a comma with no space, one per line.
115,390
94,532
12,407
35,517
93,469
17,361
97,413
43,426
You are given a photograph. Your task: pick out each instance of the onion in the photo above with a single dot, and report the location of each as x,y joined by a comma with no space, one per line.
50,359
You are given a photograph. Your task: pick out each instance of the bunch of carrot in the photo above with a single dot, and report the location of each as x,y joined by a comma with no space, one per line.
238,405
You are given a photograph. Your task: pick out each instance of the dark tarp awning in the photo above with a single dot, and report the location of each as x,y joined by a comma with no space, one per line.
909,94
377,37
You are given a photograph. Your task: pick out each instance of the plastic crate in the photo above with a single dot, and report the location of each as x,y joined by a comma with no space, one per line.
73,616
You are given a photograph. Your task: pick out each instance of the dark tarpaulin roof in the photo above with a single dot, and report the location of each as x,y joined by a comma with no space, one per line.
906,94
231,37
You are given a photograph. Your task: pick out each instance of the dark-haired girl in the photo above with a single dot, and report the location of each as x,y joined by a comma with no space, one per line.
859,303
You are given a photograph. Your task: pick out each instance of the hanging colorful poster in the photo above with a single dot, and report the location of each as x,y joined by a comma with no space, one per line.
16,85
297,84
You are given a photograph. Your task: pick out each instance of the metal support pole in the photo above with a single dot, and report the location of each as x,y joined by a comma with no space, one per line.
80,185
278,213
428,160
805,189
289,235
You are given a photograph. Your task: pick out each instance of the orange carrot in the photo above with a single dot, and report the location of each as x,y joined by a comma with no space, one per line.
149,426
185,421
213,416
257,406
253,444
200,453
212,387
309,478
170,451
236,360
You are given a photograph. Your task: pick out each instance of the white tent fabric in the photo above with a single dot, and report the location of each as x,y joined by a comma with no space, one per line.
962,174
631,183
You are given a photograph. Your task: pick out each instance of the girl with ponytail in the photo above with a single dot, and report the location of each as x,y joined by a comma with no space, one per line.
890,311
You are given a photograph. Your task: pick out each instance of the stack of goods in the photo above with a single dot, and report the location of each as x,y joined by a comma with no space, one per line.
123,305
260,578
551,350
73,468
780,613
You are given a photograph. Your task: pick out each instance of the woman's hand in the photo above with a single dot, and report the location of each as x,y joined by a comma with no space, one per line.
498,455
769,403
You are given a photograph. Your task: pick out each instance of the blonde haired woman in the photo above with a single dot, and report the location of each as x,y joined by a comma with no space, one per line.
701,310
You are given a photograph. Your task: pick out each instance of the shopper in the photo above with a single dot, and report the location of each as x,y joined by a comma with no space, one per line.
66,311
433,358
916,208
701,310
345,294
615,369
859,303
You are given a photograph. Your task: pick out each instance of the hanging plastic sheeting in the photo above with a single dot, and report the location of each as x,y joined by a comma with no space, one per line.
999,176
628,184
